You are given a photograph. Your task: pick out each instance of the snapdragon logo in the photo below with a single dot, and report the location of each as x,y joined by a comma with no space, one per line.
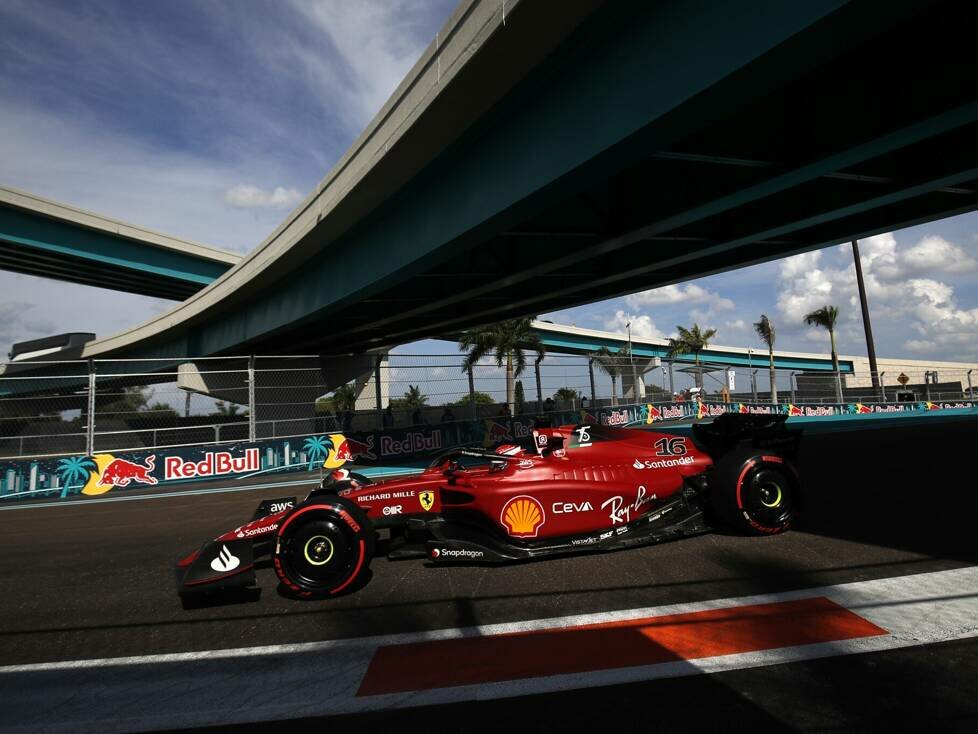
456,553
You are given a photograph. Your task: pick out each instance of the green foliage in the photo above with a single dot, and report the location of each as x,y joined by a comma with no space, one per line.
414,398
481,398
825,317
506,341
691,341
123,402
765,330
343,398
162,410
226,410
567,393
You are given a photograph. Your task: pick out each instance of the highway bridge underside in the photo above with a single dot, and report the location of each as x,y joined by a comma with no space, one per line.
871,134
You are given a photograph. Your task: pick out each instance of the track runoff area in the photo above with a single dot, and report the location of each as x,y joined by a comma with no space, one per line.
865,616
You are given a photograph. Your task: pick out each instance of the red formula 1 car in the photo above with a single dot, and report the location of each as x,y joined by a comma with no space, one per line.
577,489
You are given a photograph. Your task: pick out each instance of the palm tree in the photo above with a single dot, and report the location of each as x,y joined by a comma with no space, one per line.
506,341
691,341
75,470
826,317
609,363
315,446
765,330
567,393
345,397
414,398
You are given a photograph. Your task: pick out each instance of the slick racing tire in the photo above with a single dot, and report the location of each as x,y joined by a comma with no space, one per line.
755,491
323,547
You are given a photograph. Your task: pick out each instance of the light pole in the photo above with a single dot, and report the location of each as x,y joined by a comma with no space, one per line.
791,380
750,367
631,359
867,326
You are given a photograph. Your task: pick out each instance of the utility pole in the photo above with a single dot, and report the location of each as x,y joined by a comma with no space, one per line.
867,326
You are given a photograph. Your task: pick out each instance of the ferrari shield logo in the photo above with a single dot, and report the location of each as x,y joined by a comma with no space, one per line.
427,500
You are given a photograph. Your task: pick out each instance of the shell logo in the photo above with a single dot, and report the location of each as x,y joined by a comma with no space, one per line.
522,516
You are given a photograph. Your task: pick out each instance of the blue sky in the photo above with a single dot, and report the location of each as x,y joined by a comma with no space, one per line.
210,120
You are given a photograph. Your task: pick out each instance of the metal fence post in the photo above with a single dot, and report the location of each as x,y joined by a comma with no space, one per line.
971,393
753,384
90,427
251,398
377,395
536,369
672,387
882,387
791,382
475,414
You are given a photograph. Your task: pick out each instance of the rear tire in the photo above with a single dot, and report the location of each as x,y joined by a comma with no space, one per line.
323,547
755,491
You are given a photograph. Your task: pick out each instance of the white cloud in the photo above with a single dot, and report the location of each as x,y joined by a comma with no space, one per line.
928,306
642,326
675,294
243,196
736,325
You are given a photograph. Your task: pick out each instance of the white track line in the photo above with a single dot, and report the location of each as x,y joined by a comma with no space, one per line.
321,678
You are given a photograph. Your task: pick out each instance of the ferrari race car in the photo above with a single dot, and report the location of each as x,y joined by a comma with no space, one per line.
576,489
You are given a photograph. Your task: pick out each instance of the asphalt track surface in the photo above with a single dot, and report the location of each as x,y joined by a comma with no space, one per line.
95,581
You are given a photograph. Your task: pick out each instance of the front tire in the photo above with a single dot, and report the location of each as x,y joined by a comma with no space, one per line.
755,491
323,547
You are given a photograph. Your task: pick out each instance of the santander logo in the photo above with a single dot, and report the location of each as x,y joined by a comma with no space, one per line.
225,561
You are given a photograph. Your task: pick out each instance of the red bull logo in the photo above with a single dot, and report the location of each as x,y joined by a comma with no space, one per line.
412,443
652,414
215,463
861,409
794,410
357,449
343,451
119,473
496,432
932,406
742,409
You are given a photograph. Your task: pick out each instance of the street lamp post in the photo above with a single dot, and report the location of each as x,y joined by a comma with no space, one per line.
791,379
631,359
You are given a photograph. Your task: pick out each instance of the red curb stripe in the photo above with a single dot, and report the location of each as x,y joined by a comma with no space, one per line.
473,660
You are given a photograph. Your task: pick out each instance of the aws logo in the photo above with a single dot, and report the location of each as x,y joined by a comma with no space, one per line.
523,516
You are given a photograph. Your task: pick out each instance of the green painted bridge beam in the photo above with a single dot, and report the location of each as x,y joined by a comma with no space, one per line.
38,245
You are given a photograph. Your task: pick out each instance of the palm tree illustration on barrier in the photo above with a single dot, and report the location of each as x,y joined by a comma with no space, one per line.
316,448
75,470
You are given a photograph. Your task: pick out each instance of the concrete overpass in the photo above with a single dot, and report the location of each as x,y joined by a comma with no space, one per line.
52,240
540,156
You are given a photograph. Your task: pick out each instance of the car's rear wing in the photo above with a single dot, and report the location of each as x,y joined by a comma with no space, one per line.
731,430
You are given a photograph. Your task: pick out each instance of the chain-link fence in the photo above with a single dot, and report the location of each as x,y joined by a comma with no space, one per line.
85,407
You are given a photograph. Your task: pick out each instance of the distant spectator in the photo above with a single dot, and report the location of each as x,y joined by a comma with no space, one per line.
388,417
504,411
447,416
417,417
548,405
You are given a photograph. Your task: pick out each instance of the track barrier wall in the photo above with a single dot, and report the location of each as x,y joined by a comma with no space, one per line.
70,475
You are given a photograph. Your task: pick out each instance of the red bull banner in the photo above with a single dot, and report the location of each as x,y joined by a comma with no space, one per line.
154,470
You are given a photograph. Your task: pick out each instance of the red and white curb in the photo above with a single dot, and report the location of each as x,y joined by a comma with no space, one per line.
493,661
